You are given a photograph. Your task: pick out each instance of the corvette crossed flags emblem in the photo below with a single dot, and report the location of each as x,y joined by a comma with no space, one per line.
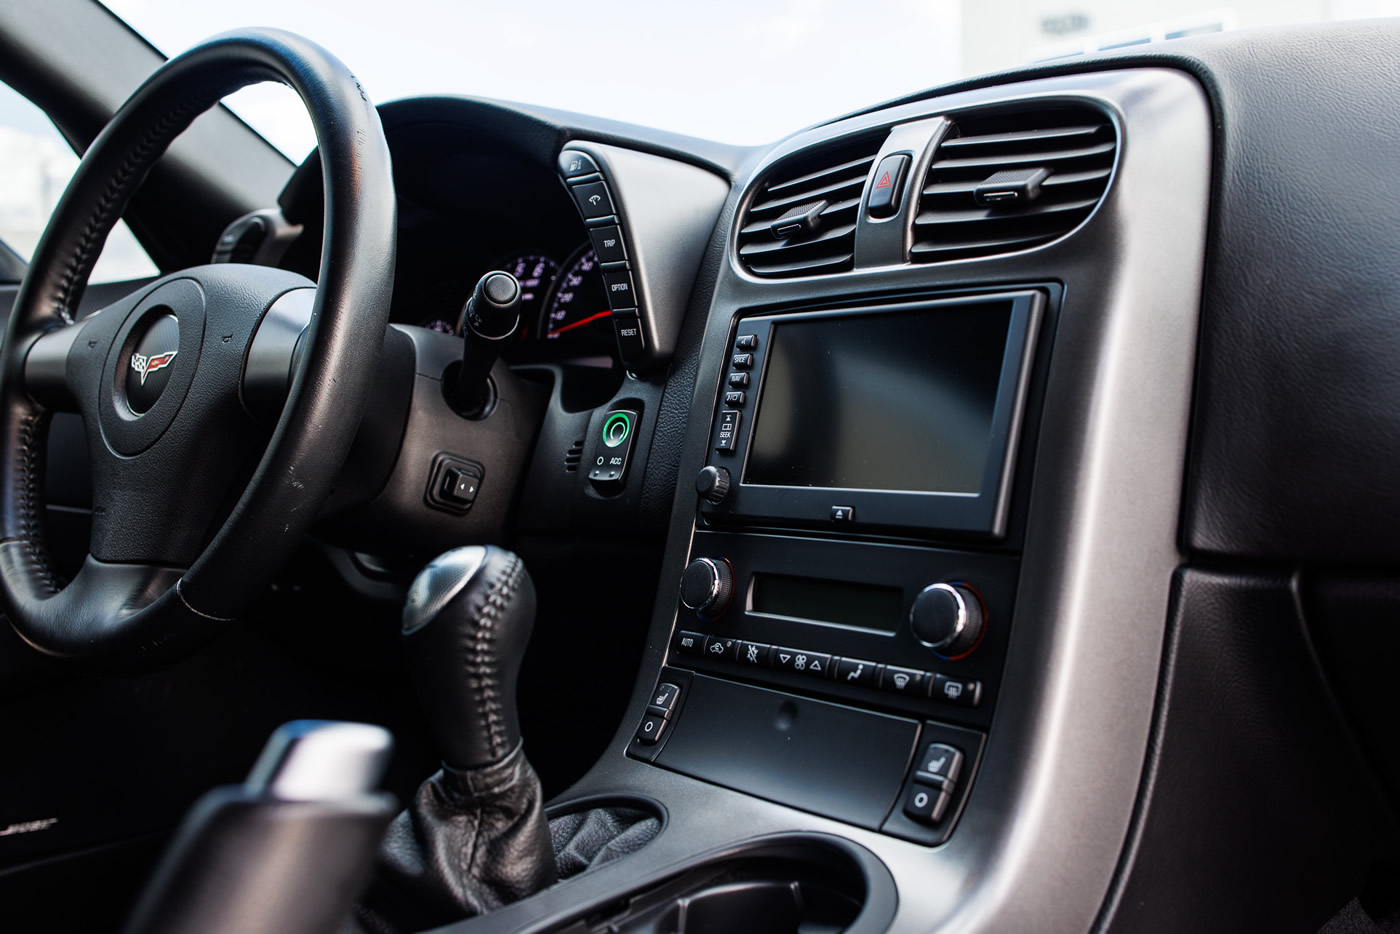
148,365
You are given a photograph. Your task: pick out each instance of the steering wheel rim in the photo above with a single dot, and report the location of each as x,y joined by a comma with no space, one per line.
158,605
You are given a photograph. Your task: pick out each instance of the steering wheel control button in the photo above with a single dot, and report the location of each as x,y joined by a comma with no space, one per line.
607,243
843,513
908,681
149,364
608,473
728,434
574,164
631,343
712,483
621,295
746,342
924,804
651,729
948,618
593,200
950,690
856,673
706,586
754,654
664,698
453,483
889,182
690,643
940,763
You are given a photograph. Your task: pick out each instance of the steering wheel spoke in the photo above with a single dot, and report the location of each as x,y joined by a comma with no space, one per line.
188,471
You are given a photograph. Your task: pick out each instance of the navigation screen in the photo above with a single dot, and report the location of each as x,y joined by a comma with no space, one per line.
897,401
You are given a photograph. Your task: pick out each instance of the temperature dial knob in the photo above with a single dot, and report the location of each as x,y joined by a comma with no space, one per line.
706,586
948,618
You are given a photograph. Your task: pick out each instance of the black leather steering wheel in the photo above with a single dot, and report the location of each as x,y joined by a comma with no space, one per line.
195,504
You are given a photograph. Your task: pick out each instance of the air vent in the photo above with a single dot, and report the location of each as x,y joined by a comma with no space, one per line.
1012,180
802,221
572,456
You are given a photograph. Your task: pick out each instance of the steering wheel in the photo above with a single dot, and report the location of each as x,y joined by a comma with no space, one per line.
195,504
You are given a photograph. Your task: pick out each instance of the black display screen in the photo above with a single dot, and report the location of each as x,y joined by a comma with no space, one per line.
889,401
826,601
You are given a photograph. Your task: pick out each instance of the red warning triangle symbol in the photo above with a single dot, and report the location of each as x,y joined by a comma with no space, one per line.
884,181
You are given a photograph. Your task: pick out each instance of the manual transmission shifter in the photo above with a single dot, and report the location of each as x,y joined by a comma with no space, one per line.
474,837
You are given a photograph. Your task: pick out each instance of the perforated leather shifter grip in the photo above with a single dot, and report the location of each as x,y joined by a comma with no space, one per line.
465,628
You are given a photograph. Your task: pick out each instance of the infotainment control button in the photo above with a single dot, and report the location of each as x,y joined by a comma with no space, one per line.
735,398
742,361
728,430
738,379
746,342
712,483
843,513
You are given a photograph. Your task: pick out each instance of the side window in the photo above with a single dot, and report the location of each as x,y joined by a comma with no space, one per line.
35,165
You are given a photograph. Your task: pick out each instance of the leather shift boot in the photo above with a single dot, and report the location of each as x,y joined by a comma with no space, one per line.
471,841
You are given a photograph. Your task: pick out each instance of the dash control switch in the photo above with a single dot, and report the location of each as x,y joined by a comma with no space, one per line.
608,473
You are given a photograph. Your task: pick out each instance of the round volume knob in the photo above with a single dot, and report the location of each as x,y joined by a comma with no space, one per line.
712,484
948,618
706,586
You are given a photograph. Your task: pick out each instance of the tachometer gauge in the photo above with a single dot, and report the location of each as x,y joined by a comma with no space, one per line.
535,273
579,304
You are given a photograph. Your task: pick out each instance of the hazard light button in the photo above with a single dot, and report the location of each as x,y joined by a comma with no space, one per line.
889,184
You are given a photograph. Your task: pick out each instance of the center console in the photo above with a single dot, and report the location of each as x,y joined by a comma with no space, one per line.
848,578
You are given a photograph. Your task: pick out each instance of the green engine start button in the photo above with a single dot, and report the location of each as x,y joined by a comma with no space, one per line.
616,429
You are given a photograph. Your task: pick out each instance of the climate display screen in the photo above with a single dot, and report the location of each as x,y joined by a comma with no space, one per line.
890,401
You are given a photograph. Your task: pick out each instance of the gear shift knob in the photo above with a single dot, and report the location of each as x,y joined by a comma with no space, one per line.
465,628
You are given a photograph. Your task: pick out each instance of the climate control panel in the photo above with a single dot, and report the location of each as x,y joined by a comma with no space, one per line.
913,629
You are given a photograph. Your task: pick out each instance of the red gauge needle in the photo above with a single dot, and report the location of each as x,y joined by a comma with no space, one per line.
578,324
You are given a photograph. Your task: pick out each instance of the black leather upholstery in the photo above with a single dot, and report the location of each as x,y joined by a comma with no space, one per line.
136,614
470,841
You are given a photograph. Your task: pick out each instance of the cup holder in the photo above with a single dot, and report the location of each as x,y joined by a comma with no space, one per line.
796,884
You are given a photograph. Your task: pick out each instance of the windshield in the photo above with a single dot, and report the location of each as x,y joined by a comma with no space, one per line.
737,71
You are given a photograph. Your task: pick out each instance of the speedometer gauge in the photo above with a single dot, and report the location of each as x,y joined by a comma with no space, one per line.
579,304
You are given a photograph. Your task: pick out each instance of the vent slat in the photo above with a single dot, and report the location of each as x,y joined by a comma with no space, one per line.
1058,180
1039,208
1048,157
856,167
838,207
835,174
758,247
1075,143
775,209
962,143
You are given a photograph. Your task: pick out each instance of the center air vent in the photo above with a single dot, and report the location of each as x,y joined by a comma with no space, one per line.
802,221
1011,180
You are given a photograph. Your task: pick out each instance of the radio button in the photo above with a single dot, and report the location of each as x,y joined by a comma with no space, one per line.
904,681
742,361
738,379
853,672
735,398
746,342
728,430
